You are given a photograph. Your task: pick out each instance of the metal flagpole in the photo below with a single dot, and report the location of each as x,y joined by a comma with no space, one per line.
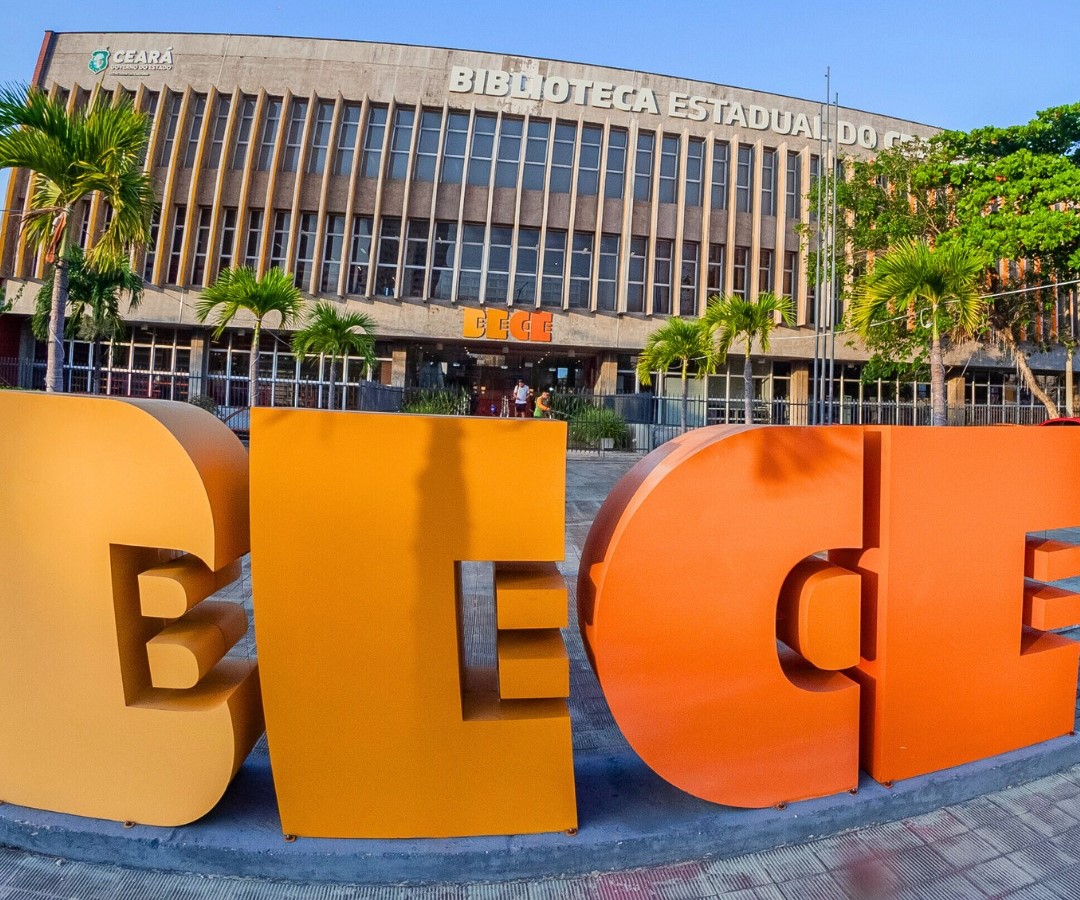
834,291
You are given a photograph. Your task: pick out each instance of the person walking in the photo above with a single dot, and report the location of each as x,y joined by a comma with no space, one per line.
521,394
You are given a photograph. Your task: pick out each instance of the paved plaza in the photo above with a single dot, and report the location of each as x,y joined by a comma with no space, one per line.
943,836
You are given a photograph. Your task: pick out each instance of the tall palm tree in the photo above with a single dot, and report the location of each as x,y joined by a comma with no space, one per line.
72,156
331,333
239,289
937,288
682,342
733,319
94,297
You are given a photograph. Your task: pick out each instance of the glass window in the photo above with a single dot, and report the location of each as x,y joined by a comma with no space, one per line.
768,182
271,119
427,145
320,137
387,256
151,245
791,267
608,272
581,270
227,244
695,170
562,157
176,244
528,260
304,266
616,165
333,244
217,131
294,135
635,284
471,262
346,139
172,122
195,122
243,131
815,174
643,166
688,281
669,168
536,148
483,148
373,142
457,134
720,163
359,255
416,241
399,143
498,271
252,239
551,286
793,188
150,101
506,168
740,283
662,271
443,257
765,270
715,274
279,238
588,179
744,179
202,245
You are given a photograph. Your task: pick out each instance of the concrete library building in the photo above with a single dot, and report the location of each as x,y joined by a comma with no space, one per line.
499,217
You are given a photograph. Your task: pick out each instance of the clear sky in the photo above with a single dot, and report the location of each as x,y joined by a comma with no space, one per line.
951,64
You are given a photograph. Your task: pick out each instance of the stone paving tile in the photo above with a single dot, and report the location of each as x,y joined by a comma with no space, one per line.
1049,821
787,863
952,887
978,812
967,849
869,879
890,836
1010,834
933,826
842,850
815,887
1064,884
916,864
736,874
1042,859
998,876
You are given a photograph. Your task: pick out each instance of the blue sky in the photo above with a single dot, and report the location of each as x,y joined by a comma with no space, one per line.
952,64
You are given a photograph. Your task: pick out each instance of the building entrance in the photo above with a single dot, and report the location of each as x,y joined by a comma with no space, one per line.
488,374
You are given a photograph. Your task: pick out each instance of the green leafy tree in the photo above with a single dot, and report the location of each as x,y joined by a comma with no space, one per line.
72,156
682,342
937,287
94,304
236,290
335,334
734,320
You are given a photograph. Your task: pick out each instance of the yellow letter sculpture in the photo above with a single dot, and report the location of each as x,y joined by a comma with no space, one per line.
376,728
118,517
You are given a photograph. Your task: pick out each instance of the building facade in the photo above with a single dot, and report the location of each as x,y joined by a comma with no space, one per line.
497,216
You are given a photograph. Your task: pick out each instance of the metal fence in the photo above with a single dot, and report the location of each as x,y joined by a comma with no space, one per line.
598,423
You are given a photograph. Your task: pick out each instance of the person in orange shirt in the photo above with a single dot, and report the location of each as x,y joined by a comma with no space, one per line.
543,406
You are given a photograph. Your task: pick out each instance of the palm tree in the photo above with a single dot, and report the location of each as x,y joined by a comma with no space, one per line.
238,289
936,287
733,318
331,333
94,297
685,342
71,157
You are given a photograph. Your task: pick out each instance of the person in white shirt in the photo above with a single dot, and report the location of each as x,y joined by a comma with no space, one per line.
521,394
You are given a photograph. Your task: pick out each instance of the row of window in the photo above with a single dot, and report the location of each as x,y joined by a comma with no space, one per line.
479,149
444,261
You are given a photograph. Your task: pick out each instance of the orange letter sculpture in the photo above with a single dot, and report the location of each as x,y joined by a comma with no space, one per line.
680,584
954,669
376,728
107,709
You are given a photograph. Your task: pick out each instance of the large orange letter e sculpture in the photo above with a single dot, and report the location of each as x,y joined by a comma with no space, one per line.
376,728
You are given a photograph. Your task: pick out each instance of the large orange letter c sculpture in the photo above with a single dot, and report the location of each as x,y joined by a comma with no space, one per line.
681,581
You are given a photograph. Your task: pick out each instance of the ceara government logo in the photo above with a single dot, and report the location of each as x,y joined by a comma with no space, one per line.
99,61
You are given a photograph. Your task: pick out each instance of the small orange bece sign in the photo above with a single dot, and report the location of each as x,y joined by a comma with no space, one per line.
767,609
